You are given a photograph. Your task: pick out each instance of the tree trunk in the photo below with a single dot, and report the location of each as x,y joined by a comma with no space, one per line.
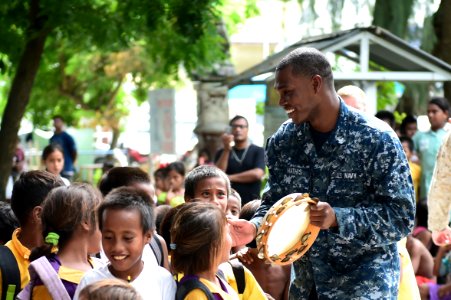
115,138
19,95
393,15
442,28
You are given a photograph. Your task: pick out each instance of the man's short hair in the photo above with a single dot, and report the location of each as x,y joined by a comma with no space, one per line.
30,190
308,62
238,117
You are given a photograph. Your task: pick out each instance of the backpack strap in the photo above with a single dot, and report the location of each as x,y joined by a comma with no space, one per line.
157,249
238,272
189,283
42,269
10,274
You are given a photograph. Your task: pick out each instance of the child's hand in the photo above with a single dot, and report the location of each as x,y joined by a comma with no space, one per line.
244,256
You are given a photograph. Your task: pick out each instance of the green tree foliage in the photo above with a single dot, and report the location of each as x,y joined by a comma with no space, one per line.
81,49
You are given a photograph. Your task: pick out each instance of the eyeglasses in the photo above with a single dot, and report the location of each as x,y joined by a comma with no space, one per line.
235,126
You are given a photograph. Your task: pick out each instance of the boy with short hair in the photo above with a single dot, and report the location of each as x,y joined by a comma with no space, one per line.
29,192
127,221
137,178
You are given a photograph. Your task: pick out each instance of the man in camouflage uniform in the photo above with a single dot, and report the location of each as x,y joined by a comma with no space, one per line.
356,166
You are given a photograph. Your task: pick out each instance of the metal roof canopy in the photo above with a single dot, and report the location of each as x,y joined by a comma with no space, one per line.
362,45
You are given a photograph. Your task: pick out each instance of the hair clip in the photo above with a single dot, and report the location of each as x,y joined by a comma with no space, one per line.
173,246
52,238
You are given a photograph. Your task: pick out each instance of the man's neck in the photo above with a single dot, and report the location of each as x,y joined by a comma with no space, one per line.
241,145
30,237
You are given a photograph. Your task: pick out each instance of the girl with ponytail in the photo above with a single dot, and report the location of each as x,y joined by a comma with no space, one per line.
71,234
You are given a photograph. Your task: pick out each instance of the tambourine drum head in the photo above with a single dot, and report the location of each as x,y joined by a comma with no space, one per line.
286,233
288,229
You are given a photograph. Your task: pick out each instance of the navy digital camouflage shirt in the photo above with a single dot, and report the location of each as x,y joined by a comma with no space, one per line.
362,172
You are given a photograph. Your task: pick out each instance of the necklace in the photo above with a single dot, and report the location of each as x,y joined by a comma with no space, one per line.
240,161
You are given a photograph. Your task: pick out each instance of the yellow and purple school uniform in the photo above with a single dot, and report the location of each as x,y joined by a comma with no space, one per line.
69,277
22,254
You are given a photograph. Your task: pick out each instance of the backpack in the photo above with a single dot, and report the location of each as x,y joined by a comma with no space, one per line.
157,249
10,274
238,272
189,283
43,270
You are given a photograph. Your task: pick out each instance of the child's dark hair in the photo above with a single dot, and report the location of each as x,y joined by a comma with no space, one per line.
237,195
197,235
200,173
441,102
122,176
30,191
8,222
49,149
409,119
406,139
249,209
129,198
176,166
166,223
64,209
386,115
160,212
160,173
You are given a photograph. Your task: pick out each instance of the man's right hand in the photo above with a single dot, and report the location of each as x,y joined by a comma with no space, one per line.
227,140
241,231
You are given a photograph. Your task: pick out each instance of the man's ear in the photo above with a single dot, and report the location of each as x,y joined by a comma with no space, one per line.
317,82
188,199
36,213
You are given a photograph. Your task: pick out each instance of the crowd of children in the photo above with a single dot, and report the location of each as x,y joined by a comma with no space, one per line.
75,241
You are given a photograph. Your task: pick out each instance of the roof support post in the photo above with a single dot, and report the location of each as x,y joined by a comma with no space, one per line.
364,53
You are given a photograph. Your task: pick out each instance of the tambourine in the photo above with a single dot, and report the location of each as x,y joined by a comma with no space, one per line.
286,233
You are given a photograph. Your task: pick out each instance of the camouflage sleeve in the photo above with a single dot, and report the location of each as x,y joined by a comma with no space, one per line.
439,197
388,213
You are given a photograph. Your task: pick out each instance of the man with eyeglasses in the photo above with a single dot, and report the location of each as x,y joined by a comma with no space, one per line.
241,160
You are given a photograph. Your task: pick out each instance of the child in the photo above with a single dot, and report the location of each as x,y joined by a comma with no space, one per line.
175,177
233,204
71,233
28,194
109,289
137,178
126,220
53,160
161,185
8,222
415,169
274,279
200,243
209,184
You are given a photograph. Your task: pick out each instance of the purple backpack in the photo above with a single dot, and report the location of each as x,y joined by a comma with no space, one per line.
42,269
